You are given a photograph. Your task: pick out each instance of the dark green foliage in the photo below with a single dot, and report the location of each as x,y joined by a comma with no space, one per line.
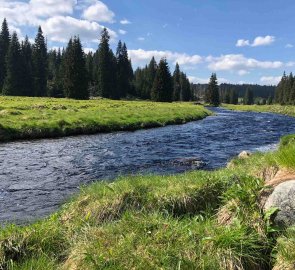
124,72
106,71
162,88
176,83
212,92
75,77
185,88
285,91
39,57
249,97
55,82
27,66
13,80
4,45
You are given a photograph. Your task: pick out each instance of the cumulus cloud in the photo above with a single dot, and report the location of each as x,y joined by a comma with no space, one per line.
194,79
289,45
125,21
258,41
243,72
98,12
141,38
271,80
141,56
232,62
122,32
61,28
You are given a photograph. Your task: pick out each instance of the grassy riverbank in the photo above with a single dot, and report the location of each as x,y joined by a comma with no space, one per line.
286,110
30,118
197,220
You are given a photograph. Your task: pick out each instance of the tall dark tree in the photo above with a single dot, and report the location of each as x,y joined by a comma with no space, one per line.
249,97
233,96
124,71
27,65
176,83
13,80
75,77
106,73
39,57
212,92
162,88
4,45
185,92
55,81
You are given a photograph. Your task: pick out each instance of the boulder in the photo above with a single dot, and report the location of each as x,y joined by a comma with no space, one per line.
283,198
244,154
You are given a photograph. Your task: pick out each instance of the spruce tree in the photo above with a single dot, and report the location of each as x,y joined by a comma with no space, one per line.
176,83
249,97
106,72
13,80
212,96
150,75
185,92
4,46
226,97
233,97
75,80
162,88
27,79
39,57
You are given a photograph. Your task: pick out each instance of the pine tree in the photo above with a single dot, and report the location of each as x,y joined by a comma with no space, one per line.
27,79
4,46
176,83
234,98
212,96
162,88
185,92
106,71
75,74
39,57
280,90
226,99
55,82
13,80
249,97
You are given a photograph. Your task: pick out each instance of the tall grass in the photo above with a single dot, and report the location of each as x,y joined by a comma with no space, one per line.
28,118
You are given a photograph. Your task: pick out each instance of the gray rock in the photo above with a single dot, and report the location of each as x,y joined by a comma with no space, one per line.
283,198
244,154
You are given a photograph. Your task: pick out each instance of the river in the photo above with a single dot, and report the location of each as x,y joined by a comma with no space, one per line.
36,177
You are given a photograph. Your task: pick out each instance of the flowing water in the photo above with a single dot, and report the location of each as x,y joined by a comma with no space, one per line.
37,176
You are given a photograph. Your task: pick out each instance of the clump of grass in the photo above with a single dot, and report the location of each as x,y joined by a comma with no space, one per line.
30,118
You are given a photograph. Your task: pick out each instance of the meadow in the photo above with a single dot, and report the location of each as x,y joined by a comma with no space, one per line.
196,220
281,109
32,118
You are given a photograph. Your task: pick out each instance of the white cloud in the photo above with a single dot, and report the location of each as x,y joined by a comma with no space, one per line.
125,21
88,50
263,41
122,32
243,72
60,28
194,79
271,80
289,45
141,56
290,64
258,41
234,62
141,38
98,12
242,43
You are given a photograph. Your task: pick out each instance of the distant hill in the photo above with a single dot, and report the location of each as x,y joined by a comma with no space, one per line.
262,91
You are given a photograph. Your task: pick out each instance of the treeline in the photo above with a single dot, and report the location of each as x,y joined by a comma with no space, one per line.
31,70
285,91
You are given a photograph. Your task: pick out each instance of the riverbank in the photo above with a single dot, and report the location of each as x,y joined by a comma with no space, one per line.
197,220
280,109
32,118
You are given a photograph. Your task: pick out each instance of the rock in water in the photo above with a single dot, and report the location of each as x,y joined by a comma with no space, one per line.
283,198
244,154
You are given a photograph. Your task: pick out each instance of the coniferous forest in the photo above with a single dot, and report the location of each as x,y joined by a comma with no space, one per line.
31,70
285,91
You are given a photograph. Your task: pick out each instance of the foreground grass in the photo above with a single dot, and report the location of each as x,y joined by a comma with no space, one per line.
197,220
286,110
29,118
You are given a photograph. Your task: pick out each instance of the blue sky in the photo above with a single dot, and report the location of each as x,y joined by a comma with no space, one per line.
242,41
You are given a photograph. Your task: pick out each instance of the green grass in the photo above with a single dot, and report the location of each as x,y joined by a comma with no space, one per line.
29,118
286,109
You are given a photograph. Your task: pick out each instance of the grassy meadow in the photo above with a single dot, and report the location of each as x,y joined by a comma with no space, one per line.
281,109
30,118
196,220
